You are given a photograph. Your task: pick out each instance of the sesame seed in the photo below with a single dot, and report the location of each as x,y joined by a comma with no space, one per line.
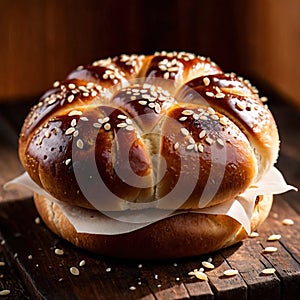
121,125
270,249
159,286
206,81
173,69
82,263
187,112
264,99
240,106
196,116
47,134
132,288
268,271
104,120
157,108
129,121
129,128
176,146
214,117
190,147
211,111
209,94
143,102
56,84
74,271
209,140
71,86
202,134
71,98
29,256
4,292
182,119
230,272
2,263
274,237
79,144
70,130
220,142
184,131
287,222
177,279
97,125
223,120
200,148
253,234
89,85
122,117
67,161
37,220
83,89
208,265
218,89
191,140
108,270
140,266
73,122
94,94
201,275
151,105
220,95
59,251
166,75
75,113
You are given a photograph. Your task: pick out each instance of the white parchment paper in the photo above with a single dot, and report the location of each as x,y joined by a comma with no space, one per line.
94,222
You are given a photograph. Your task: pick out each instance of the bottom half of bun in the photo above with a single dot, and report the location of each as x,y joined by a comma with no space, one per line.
178,236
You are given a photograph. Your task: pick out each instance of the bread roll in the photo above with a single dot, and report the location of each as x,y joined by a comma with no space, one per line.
183,235
184,124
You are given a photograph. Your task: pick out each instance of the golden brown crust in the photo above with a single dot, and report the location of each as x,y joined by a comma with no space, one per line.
179,236
94,117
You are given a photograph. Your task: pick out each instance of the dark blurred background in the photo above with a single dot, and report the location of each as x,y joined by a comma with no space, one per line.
41,41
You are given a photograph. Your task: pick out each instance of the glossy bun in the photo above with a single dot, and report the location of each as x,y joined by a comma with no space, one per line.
185,123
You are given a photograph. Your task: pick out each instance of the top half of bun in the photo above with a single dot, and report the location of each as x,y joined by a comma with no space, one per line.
144,125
